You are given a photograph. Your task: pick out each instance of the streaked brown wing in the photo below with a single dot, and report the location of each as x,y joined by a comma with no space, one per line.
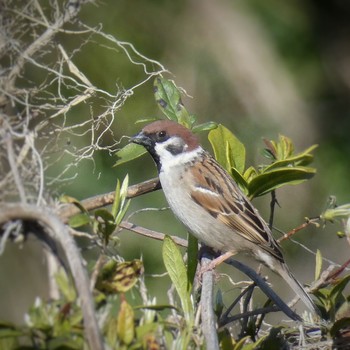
234,210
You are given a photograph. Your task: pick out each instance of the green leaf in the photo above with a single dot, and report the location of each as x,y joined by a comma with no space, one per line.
107,226
65,286
204,127
341,211
176,268
129,152
239,345
125,326
104,214
318,267
242,183
300,159
343,323
68,199
79,220
10,332
116,202
192,260
123,206
249,174
168,98
266,182
64,342
119,277
338,289
228,150
158,307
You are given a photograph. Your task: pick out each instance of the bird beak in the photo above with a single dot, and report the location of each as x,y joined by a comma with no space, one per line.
142,139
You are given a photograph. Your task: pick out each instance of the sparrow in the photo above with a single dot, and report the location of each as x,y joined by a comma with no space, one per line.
207,200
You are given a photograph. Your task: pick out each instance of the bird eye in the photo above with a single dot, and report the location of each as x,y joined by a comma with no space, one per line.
161,134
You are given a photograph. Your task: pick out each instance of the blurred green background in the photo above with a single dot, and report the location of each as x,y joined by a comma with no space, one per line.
260,68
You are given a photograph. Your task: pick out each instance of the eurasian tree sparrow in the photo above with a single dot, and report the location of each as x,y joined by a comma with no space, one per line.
207,200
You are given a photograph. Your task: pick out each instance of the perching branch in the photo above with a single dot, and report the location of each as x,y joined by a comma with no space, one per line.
151,185
207,301
50,226
68,210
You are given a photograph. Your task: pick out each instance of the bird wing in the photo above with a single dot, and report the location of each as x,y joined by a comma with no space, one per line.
216,191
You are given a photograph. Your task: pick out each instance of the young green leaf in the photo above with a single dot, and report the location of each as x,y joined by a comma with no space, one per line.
176,268
204,127
168,98
266,182
116,202
241,181
228,150
79,220
65,286
125,325
129,152
332,213
318,267
68,199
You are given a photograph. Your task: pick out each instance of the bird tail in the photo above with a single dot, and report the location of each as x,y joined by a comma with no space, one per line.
284,272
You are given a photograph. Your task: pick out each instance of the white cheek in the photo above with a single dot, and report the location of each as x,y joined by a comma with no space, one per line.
164,155
169,160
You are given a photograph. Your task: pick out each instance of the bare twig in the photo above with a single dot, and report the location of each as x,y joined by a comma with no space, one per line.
58,232
150,233
297,229
338,271
225,315
71,11
264,287
261,311
272,208
12,162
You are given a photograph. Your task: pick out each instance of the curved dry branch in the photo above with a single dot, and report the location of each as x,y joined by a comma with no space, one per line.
72,9
54,230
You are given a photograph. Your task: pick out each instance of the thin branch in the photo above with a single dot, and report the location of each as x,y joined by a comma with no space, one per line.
150,233
261,311
68,210
224,317
264,287
14,170
207,299
299,228
338,271
55,230
71,11
272,208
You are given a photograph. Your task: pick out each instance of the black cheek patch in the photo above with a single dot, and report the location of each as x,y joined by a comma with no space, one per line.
175,149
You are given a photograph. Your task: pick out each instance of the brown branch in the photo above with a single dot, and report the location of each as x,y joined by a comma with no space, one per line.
299,228
338,271
53,229
150,233
102,200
